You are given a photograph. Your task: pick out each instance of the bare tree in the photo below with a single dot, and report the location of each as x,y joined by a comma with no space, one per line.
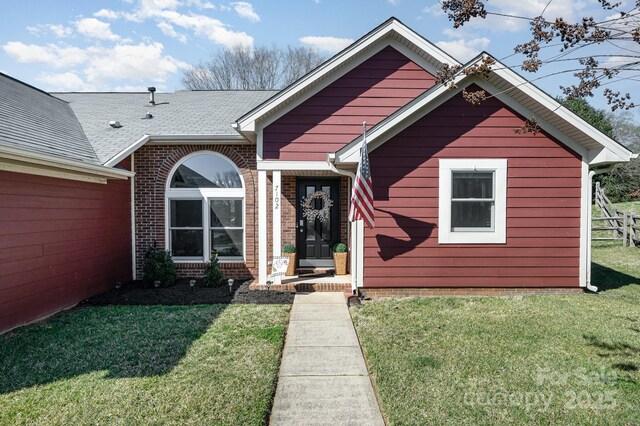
260,68
598,52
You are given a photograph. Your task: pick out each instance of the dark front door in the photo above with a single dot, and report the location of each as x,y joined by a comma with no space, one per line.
317,232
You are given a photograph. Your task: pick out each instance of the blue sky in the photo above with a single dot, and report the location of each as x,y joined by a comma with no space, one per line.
71,45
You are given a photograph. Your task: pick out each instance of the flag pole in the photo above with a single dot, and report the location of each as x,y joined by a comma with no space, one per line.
357,239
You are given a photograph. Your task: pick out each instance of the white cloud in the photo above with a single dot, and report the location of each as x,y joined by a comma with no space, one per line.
568,9
100,65
200,4
245,10
150,7
94,28
167,16
207,27
51,54
169,31
326,44
106,14
64,82
464,49
131,62
393,2
28,53
35,30
434,10
59,31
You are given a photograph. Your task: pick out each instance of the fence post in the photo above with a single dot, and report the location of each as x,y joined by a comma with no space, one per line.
624,229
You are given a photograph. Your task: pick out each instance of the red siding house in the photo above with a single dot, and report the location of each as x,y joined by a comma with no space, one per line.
462,203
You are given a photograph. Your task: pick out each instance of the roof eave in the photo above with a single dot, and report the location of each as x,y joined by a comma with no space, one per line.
25,161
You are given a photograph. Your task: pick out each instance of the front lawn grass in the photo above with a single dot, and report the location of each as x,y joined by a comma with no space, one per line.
518,360
215,364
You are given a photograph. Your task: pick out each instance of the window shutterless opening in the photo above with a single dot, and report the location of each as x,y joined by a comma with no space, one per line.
472,202
205,209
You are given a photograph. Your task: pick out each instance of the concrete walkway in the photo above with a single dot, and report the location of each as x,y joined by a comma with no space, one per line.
323,378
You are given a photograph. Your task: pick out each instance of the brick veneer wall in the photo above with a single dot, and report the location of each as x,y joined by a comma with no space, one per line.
153,163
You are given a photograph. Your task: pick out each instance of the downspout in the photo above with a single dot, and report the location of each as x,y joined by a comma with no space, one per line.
330,161
592,173
589,236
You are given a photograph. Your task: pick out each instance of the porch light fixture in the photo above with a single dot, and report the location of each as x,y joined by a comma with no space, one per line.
230,282
192,283
156,283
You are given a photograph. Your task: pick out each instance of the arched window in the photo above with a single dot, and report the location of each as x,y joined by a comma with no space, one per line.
205,209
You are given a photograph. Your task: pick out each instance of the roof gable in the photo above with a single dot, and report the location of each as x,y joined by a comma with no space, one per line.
515,92
390,33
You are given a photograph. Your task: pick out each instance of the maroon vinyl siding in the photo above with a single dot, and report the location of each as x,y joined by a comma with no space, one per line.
543,205
61,241
333,117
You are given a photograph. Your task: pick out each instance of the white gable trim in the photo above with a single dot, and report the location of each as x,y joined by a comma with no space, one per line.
175,140
247,123
608,151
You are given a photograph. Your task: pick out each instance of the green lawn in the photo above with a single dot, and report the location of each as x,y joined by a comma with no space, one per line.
519,360
214,364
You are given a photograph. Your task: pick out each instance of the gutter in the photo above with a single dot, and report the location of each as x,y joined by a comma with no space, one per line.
34,160
331,158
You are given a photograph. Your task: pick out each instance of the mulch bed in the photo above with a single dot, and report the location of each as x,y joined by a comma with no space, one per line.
181,293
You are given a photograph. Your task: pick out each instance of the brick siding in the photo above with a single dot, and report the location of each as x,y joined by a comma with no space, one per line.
153,163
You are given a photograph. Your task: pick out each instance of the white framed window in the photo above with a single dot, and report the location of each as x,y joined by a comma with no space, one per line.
472,207
205,205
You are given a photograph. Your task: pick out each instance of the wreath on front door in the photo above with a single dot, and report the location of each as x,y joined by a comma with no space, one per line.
308,206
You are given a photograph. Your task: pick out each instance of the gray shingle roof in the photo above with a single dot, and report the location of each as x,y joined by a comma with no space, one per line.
181,113
33,120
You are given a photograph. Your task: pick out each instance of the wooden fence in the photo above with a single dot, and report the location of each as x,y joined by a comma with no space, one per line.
624,226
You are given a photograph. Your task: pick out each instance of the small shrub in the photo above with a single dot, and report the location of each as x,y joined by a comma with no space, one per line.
340,248
212,273
159,266
289,248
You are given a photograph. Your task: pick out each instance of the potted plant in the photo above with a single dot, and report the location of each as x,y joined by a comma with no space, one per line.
340,258
289,250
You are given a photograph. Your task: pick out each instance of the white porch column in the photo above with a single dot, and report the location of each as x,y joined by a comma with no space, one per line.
262,227
360,245
276,182
354,255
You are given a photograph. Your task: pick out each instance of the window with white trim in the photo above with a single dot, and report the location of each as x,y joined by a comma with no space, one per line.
205,209
472,205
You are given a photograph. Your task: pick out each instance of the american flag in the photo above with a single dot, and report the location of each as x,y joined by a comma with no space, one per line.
362,192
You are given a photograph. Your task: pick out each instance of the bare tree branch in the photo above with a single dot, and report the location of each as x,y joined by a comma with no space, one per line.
259,68
575,41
